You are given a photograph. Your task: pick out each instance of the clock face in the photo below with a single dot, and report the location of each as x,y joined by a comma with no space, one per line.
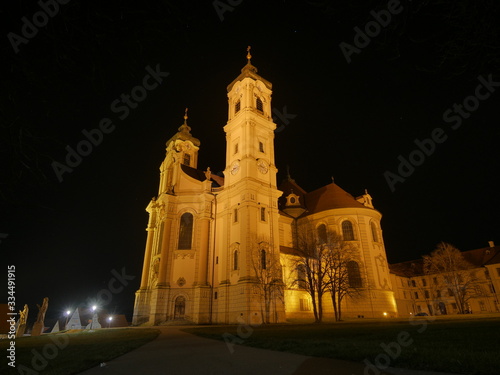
262,166
235,167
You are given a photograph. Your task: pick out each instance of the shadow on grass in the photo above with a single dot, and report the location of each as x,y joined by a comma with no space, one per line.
464,346
70,353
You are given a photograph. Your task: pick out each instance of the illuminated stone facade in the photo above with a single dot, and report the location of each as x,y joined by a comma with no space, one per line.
209,236
416,292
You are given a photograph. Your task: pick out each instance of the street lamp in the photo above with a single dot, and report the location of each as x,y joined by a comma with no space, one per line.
93,311
67,316
110,318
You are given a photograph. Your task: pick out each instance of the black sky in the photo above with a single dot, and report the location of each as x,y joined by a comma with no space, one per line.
352,122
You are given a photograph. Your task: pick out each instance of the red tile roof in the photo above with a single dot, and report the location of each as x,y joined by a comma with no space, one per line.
477,257
329,197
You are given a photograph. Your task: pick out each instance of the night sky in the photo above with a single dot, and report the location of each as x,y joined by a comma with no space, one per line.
346,120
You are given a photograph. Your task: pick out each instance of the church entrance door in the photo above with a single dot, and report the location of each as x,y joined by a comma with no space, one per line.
180,307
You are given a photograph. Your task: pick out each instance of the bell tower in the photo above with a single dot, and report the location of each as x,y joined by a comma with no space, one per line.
250,128
249,244
182,148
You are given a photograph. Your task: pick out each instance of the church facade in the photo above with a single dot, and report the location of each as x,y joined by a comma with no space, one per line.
221,249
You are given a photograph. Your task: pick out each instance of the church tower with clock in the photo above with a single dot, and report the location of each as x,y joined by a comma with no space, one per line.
222,249
249,205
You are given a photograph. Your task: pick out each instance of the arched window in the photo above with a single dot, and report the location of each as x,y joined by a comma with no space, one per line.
322,234
263,260
186,231
301,276
347,231
353,275
261,147
187,160
235,260
374,232
259,105
237,107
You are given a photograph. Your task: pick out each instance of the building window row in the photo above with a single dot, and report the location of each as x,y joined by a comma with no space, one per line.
348,233
259,105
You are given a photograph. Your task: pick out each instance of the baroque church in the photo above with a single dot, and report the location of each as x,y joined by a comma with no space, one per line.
212,241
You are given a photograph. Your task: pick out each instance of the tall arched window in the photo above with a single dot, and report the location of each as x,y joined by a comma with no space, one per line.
186,231
301,276
263,260
347,231
321,233
374,232
353,275
235,260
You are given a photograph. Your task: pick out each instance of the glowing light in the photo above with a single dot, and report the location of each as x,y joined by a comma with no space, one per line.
385,314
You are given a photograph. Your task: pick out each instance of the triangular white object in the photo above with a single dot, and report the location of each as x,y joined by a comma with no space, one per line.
56,327
74,322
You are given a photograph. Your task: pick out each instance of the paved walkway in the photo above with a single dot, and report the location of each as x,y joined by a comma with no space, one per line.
178,353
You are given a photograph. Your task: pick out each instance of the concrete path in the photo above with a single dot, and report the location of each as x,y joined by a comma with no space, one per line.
178,353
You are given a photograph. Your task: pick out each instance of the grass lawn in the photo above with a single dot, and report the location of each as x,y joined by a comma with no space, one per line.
70,353
463,345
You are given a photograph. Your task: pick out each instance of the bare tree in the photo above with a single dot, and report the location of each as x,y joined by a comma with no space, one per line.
456,273
310,254
343,277
267,267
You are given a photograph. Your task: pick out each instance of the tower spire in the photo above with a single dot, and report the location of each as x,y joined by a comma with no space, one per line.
185,127
184,133
249,56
